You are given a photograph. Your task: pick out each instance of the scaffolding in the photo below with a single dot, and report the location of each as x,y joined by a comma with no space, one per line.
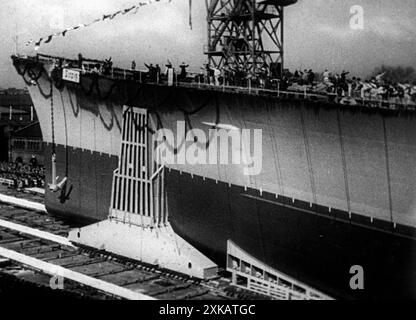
246,35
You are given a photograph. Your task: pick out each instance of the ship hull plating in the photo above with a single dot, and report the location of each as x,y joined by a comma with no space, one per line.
313,245
337,187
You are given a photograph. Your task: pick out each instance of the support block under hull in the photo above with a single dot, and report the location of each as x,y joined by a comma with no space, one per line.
161,247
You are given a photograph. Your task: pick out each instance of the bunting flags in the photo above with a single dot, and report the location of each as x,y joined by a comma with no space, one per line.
133,10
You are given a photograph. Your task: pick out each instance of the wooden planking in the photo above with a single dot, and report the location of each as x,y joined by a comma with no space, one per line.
100,269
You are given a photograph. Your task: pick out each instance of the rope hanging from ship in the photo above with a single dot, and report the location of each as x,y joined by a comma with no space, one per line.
308,156
171,96
46,96
130,101
29,70
29,82
388,169
24,73
274,147
95,84
155,105
35,77
344,160
187,117
110,91
89,91
75,110
56,77
188,122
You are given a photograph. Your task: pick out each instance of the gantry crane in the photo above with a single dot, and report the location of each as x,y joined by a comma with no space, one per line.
246,35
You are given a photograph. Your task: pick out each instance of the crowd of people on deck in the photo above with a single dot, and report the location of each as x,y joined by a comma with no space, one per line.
340,84
155,72
228,75
23,175
99,67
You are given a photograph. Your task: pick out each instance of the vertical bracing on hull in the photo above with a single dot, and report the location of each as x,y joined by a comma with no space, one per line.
138,226
138,184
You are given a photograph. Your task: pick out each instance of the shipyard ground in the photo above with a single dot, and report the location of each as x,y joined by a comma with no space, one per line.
19,280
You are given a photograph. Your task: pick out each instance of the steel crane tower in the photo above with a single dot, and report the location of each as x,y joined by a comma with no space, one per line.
246,35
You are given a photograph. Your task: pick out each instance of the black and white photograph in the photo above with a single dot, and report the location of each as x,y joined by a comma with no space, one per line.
206,156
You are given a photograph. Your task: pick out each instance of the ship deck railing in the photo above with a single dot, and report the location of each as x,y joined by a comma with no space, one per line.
142,76
353,100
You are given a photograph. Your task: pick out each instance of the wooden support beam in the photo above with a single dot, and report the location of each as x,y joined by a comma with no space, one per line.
22,203
54,270
35,233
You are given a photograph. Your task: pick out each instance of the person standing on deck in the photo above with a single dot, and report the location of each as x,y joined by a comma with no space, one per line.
80,60
305,77
151,72
169,66
209,73
217,75
158,72
344,83
413,92
170,72
379,78
326,75
183,73
107,66
33,161
311,77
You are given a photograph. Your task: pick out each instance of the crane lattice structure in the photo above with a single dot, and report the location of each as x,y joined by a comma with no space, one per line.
246,35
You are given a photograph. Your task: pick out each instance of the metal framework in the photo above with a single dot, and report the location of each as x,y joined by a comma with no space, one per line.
246,35
138,184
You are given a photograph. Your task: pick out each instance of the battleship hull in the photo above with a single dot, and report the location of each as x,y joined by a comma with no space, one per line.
337,186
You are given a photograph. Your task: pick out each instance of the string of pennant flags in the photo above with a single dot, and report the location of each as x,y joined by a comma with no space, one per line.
132,10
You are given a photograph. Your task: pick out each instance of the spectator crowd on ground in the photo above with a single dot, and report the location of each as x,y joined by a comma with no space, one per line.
23,175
